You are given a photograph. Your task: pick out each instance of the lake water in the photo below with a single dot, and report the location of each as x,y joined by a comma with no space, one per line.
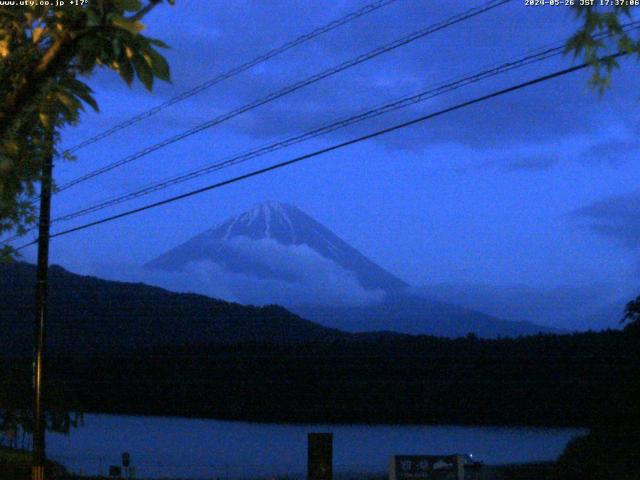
200,448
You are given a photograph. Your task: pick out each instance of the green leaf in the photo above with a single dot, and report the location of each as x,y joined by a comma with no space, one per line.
145,74
11,147
125,70
66,100
157,43
93,19
159,65
45,120
87,98
128,52
132,27
130,5
116,45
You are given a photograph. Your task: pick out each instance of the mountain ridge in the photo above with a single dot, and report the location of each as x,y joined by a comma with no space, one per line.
92,315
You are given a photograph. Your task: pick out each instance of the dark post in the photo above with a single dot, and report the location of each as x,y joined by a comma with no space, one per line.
38,468
320,456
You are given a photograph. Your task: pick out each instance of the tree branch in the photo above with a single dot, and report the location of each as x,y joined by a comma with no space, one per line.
143,11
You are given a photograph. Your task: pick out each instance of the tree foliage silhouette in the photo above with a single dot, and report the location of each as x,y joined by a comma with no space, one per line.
44,53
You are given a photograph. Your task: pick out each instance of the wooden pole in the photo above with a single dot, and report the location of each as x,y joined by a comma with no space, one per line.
320,456
39,458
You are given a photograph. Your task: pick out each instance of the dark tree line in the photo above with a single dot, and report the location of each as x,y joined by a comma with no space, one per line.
581,379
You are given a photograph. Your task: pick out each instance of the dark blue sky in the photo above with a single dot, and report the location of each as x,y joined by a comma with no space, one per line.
538,188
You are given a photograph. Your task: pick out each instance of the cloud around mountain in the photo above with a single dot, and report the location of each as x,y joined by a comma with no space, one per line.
252,243
282,273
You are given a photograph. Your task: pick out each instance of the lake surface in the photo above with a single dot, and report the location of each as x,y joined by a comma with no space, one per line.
201,448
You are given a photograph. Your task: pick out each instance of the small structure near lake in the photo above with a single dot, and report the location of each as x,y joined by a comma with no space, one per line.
433,467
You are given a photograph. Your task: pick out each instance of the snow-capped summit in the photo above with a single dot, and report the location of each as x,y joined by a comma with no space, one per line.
266,220
286,225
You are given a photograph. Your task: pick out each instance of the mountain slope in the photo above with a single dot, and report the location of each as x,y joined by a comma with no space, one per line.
87,314
285,224
415,315
596,307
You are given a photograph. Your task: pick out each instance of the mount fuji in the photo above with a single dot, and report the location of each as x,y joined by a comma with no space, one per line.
279,245
286,225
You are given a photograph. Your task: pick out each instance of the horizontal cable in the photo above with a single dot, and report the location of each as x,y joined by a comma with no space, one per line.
233,72
332,148
472,12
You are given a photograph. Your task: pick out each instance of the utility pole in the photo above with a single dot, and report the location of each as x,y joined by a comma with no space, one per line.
38,467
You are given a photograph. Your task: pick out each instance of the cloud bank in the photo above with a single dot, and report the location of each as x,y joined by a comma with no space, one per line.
616,217
300,276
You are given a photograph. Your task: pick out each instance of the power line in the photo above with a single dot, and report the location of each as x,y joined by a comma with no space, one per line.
442,88
233,72
315,78
472,12
534,56
364,57
317,153
372,113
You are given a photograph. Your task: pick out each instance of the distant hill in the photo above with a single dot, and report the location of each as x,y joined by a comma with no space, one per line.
90,315
415,314
575,307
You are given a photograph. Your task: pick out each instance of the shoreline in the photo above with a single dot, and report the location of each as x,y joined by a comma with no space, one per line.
292,423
